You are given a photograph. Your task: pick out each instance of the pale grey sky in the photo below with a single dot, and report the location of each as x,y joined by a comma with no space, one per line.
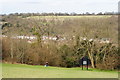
69,6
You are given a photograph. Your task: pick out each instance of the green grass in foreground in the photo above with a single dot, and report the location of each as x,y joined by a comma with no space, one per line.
29,71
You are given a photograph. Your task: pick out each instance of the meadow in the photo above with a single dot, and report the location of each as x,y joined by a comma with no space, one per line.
29,71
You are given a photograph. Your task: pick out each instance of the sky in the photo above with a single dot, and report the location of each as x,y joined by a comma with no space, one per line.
69,6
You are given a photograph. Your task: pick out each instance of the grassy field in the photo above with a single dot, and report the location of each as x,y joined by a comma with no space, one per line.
69,17
28,71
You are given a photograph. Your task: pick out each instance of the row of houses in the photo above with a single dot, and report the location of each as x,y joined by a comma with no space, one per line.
101,40
30,39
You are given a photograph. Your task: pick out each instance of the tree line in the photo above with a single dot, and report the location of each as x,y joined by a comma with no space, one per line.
102,56
60,14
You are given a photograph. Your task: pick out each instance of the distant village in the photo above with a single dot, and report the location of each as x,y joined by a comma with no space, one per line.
32,39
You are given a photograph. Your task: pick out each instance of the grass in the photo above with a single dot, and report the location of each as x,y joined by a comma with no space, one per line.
29,71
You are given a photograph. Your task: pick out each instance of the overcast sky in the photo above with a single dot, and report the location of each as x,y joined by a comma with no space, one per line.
69,6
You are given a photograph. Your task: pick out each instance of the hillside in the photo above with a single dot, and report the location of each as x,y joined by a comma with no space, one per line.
65,26
61,40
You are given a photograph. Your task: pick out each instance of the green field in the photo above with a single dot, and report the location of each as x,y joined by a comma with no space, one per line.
28,71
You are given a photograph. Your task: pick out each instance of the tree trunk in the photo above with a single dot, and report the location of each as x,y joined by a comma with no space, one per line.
91,59
11,53
92,63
